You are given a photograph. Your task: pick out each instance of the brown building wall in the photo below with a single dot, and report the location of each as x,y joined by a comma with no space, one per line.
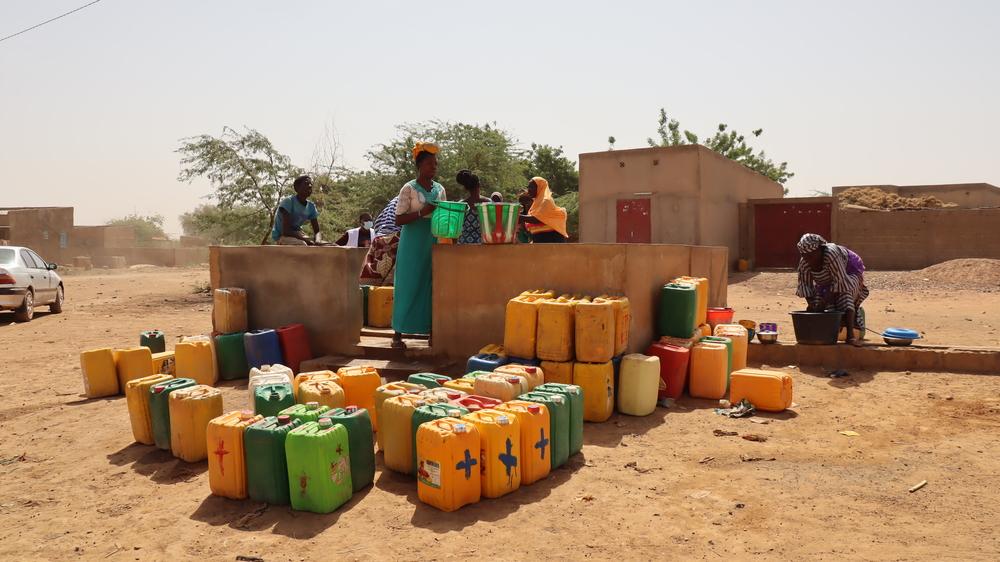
40,228
903,240
965,195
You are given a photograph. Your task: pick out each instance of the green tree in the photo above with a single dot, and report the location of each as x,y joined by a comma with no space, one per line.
146,227
245,170
726,142
236,226
550,163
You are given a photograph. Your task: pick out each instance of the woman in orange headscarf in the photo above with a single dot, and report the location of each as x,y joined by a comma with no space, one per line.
545,221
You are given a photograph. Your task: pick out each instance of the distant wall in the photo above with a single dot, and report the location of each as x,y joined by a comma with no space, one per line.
472,284
965,195
163,257
904,240
43,229
104,236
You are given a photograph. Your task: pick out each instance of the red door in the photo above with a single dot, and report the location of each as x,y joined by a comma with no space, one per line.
778,227
634,221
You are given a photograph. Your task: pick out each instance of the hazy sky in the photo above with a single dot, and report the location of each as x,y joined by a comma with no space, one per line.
92,106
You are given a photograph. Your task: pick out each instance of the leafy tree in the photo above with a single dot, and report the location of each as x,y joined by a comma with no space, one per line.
235,226
244,168
146,227
550,163
728,143
571,202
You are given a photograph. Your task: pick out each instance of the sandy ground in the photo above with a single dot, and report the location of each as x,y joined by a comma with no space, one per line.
74,486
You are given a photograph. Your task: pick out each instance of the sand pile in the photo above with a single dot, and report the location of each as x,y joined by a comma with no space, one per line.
981,272
875,198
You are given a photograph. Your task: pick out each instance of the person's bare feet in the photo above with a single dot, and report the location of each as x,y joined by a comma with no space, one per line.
397,341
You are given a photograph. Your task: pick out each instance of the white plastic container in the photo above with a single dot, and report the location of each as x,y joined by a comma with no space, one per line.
268,374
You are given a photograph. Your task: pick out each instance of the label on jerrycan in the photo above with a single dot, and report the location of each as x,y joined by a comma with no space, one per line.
429,472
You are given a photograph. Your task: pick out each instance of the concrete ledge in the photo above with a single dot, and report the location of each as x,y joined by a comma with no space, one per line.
879,357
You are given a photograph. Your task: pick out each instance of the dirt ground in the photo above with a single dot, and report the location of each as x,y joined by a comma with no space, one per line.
74,486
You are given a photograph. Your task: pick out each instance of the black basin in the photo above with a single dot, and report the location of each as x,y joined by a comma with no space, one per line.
816,328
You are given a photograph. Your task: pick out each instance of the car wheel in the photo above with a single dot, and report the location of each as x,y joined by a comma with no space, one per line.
56,306
27,310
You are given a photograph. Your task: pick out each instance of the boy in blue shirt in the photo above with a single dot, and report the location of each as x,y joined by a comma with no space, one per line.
292,213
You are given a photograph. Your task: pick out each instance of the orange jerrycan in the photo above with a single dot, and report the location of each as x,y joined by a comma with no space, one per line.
195,360
387,391
701,303
465,385
555,329
380,307
312,376
325,392
561,372
227,468
623,321
520,326
534,375
360,384
499,451
536,450
191,409
597,380
709,367
137,398
594,331
397,432
100,378
768,391
500,386
738,334
448,472
131,364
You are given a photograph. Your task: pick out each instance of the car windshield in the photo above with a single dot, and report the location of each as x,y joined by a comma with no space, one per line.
6,256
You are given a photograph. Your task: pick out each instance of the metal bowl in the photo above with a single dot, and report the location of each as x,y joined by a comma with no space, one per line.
765,337
897,342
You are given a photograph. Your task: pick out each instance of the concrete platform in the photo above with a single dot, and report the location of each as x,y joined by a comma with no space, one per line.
877,357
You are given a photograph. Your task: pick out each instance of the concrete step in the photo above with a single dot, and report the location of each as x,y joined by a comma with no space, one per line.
381,348
370,332
391,370
877,357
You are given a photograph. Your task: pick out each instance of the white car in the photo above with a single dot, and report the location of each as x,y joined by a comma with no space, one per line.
27,281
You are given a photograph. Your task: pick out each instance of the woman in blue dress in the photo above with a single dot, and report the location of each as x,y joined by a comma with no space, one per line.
471,232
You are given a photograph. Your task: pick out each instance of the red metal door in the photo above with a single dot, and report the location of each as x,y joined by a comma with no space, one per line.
778,227
634,226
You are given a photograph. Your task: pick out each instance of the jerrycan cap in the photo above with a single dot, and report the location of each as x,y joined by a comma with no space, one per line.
503,420
558,399
159,388
530,370
535,409
282,420
514,379
454,412
453,395
325,422
351,409
312,405
460,428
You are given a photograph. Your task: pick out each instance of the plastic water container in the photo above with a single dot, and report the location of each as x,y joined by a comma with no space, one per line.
677,310
231,356
709,364
267,469
623,321
305,413
498,222
319,472
465,385
475,402
324,392
534,375
262,348
430,380
728,342
137,400
702,287
196,360
559,414
594,331
131,364
165,363
768,391
269,374
521,326
640,384
597,382
387,391
558,371
741,340
574,397
674,362
300,378
154,340
397,432
360,384
295,349
493,349
380,307
100,378
159,409
360,436
441,394
485,362
500,386
229,310
431,412
270,399
448,457
536,438
227,468
191,409
499,451
555,330
448,218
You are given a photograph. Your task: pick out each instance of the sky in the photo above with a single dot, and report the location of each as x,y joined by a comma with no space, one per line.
94,106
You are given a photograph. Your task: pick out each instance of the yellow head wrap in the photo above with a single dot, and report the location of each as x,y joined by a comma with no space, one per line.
544,207
424,147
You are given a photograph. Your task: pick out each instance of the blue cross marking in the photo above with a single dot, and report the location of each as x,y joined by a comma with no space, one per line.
542,443
466,464
509,460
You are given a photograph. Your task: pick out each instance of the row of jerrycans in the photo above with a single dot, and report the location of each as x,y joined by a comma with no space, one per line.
518,442
172,413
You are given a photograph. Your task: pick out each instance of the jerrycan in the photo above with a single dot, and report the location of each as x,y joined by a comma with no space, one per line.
677,310
195,360
212,364
500,386
154,340
267,469
397,432
536,438
430,412
191,409
270,399
594,331
441,394
325,392
555,371
309,412
131,364
227,467
740,338
319,472
232,356
295,349
310,376
701,302
100,378
558,409
380,307
574,397
728,342
466,385
623,321
674,361
389,390
534,375
640,384
229,310
474,402
493,349
165,363
137,398
430,380
159,409
360,385
709,370
768,391
597,382
555,329
475,374
520,326
448,471
499,451
269,374
361,443
485,362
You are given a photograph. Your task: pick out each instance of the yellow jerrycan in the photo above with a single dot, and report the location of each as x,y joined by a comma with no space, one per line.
227,468
229,310
387,391
740,338
195,360
623,321
560,372
534,375
380,307
448,472
536,450
520,326
325,392
500,386
131,364
137,399
709,370
597,380
164,363
768,391
594,331
638,384
312,376
360,385
555,329
397,432
499,451
467,386
191,409
701,302
100,378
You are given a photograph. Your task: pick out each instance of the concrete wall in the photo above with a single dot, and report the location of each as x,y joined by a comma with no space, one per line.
695,194
97,237
965,195
39,228
472,284
903,240
317,287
